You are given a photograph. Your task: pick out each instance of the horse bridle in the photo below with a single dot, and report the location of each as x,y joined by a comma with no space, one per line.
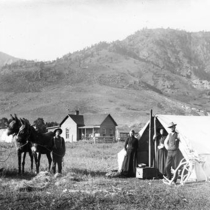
27,138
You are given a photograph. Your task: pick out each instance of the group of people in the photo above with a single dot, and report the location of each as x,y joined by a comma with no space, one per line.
167,149
166,155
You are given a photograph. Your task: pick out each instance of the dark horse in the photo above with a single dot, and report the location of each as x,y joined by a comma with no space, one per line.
23,146
40,143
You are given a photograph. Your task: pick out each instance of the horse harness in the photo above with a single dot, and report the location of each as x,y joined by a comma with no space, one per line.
19,147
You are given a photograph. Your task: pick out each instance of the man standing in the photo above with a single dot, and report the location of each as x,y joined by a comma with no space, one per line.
172,145
59,150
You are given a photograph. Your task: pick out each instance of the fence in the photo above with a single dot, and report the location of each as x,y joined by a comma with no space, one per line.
104,139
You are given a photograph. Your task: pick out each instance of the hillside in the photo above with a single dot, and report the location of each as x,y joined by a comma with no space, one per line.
161,69
6,59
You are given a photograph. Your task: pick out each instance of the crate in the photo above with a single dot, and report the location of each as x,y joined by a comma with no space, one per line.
146,173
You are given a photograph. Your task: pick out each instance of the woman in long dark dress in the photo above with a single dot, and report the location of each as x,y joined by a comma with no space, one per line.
161,153
130,160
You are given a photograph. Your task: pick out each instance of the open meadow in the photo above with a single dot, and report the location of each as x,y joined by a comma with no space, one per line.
84,184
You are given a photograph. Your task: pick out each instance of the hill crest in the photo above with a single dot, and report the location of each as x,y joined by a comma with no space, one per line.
161,69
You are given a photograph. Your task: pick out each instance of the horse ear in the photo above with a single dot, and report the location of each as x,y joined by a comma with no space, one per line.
22,121
12,117
16,117
25,120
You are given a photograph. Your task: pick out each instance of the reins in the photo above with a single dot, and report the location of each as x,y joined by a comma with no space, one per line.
49,150
42,145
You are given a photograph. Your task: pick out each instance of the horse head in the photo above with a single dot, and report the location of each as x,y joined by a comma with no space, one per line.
24,131
14,125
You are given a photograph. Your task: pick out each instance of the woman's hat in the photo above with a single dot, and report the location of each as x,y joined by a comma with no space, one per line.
171,125
58,129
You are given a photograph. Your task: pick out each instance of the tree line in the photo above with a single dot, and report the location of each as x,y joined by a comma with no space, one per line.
39,123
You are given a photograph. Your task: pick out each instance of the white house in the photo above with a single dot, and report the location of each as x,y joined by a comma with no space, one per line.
76,127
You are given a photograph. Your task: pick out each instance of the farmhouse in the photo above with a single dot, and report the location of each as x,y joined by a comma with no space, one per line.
76,127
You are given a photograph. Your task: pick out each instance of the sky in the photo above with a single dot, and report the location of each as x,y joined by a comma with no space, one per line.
48,29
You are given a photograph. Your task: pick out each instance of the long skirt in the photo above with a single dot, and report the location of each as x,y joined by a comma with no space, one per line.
161,160
129,164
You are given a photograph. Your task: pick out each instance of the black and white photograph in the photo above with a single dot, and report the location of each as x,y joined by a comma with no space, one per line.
104,104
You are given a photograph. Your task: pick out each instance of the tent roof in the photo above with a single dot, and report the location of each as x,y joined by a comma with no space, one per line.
4,137
194,131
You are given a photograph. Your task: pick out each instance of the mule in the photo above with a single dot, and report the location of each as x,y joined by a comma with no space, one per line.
40,143
21,146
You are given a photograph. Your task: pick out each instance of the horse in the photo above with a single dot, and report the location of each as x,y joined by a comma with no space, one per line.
41,143
22,146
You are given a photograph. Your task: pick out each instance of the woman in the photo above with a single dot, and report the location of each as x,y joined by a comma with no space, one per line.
59,150
161,152
130,160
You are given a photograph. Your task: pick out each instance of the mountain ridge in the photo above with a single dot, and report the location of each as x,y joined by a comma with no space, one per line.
165,70
6,59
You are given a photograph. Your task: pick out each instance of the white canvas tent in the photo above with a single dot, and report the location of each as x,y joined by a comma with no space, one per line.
194,145
4,137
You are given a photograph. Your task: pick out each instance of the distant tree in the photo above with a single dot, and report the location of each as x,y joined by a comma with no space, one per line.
4,122
50,124
40,125
41,65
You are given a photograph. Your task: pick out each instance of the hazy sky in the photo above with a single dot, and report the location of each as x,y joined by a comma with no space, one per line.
47,29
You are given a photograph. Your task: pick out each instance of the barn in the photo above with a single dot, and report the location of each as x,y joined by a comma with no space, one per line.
76,127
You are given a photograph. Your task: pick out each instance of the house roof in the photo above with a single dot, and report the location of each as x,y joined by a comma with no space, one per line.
78,119
89,120
96,119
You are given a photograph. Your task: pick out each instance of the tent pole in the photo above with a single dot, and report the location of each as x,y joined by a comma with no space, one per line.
150,138
155,144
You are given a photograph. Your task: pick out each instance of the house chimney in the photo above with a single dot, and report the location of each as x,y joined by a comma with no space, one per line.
77,112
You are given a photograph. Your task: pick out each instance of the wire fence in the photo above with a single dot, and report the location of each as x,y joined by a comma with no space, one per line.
103,139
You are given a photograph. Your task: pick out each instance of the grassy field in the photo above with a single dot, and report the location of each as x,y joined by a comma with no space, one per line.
84,185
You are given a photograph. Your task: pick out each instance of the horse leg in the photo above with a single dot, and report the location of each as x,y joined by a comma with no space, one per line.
23,163
36,162
39,158
31,157
19,161
49,160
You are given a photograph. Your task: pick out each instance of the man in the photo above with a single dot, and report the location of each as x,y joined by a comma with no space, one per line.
59,150
172,145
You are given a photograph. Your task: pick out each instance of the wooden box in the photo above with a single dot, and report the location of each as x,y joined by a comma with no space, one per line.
146,173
